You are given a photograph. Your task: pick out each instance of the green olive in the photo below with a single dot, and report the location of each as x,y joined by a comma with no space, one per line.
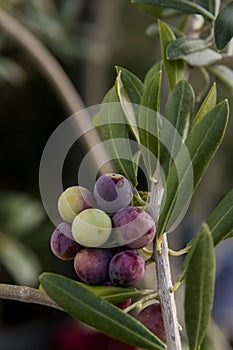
91,228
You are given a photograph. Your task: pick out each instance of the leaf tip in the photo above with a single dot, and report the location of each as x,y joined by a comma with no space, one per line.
117,69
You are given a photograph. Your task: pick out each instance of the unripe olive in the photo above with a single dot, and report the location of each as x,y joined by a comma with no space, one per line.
91,228
74,200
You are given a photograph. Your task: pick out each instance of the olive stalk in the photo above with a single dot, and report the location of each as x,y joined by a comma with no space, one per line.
26,295
164,281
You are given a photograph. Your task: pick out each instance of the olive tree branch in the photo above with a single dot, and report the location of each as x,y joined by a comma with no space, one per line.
164,282
26,295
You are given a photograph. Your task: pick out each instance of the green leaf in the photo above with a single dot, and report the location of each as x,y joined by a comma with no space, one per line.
113,294
115,131
220,225
220,221
128,108
224,75
20,261
92,310
178,112
136,159
173,69
202,57
185,6
191,246
201,144
157,11
152,71
223,26
205,138
199,289
132,84
148,121
182,46
153,30
20,214
208,104
211,5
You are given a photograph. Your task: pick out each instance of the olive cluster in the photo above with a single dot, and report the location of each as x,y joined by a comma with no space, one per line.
102,232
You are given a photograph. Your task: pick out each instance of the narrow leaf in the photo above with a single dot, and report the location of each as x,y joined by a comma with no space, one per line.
148,122
201,145
152,71
19,260
132,84
220,225
199,289
192,246
92,310
127,106
220,221
185,6
115,131
224,75
211,5
178,112
202,57
173,69
205,138
208,104
183,46
113,294
136,160
223,26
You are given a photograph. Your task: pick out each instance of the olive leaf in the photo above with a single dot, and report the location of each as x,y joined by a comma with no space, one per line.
152,71
199,288
223,27
211,5
127,106
173,69
132,84
194,51
148,121
182,46
115,131
208,104
185,6
220,221
202,57
113,294
201,145
224,75
19,260
220,224
84,305
178,112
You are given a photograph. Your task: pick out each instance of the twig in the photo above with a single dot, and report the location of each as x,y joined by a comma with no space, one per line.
26,295
164,282
166,297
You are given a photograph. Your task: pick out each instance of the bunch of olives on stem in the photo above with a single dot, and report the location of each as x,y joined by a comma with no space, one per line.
103,233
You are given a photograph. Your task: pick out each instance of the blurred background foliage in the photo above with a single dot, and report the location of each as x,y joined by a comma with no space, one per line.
88,38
